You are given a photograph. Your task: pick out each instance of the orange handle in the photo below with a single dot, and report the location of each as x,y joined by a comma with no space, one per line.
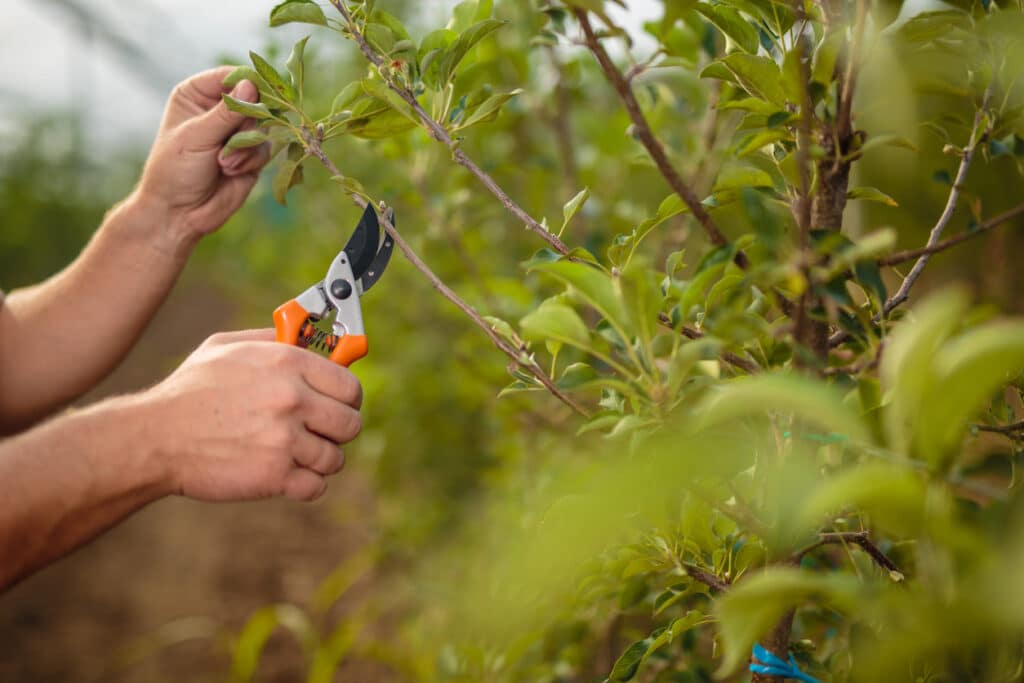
288,321
350,348
290,318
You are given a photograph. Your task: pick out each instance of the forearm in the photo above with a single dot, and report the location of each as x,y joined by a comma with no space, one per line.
66,481
59,338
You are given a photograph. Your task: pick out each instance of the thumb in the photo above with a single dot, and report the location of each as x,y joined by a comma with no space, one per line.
215,126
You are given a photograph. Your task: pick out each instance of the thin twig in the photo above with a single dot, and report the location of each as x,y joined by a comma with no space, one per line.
733,359
438,132
1011,429
947,213
313,145
647,138
844,117
994,222
859,538
705,577
935,235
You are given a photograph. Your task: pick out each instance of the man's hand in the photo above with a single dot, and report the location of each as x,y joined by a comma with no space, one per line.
188,180
244,418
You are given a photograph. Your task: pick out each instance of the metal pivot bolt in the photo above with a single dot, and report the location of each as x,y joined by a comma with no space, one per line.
341,288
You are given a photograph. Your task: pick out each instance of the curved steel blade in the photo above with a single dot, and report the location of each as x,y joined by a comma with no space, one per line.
362,245
380,261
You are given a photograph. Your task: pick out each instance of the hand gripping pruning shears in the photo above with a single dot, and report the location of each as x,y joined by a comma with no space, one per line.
352,272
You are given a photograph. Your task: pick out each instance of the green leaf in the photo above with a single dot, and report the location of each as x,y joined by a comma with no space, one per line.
558,322
383,125
454,55
256,110
302,11
383,92
246,138
752,607
257,632
731,23
629,662
969,369
296,66
350,185
810,401
871,194
269,74
894,497
590,284
740,176
381,37
759,76
887,140
349,94
241,73
573,206
907,371
488,111
289,174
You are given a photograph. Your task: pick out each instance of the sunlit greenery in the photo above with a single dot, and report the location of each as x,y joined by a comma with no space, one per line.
742,428
750,433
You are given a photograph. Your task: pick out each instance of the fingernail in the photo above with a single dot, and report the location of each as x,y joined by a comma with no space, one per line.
245,90
230,158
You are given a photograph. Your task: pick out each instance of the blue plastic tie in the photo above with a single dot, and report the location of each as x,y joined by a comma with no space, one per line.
771,665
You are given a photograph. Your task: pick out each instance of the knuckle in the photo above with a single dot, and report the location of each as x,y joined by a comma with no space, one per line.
288,398
280,439
352,390
352,425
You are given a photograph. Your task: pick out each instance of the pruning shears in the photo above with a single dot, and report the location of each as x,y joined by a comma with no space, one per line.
355,269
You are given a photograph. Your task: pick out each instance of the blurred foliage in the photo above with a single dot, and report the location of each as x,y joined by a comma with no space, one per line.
726,474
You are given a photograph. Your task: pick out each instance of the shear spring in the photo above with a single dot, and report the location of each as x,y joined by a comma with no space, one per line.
318,339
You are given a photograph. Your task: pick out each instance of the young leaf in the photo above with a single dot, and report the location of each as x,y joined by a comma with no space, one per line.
268,73
461,47
752,607
731,23
558,322
381,91
489,110
296,66
573,206
592,285
256,110
246,138
759,76
289,174
301,11
241,73
871,194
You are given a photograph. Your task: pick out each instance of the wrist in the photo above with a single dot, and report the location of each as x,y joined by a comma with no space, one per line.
124,451
156,223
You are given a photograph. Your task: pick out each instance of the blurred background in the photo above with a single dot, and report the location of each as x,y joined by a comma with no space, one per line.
82,86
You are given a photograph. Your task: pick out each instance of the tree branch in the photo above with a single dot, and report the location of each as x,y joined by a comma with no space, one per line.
903,293
942,245
858,538
438,132
647,138
314,148
705,577
1013,429
733,359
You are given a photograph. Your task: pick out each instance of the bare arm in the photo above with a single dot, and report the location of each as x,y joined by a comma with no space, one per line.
59,338
242,418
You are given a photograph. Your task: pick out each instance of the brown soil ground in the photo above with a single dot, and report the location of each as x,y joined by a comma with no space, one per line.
143,602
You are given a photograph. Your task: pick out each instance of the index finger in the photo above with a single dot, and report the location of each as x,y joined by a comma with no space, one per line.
209,84
332,380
